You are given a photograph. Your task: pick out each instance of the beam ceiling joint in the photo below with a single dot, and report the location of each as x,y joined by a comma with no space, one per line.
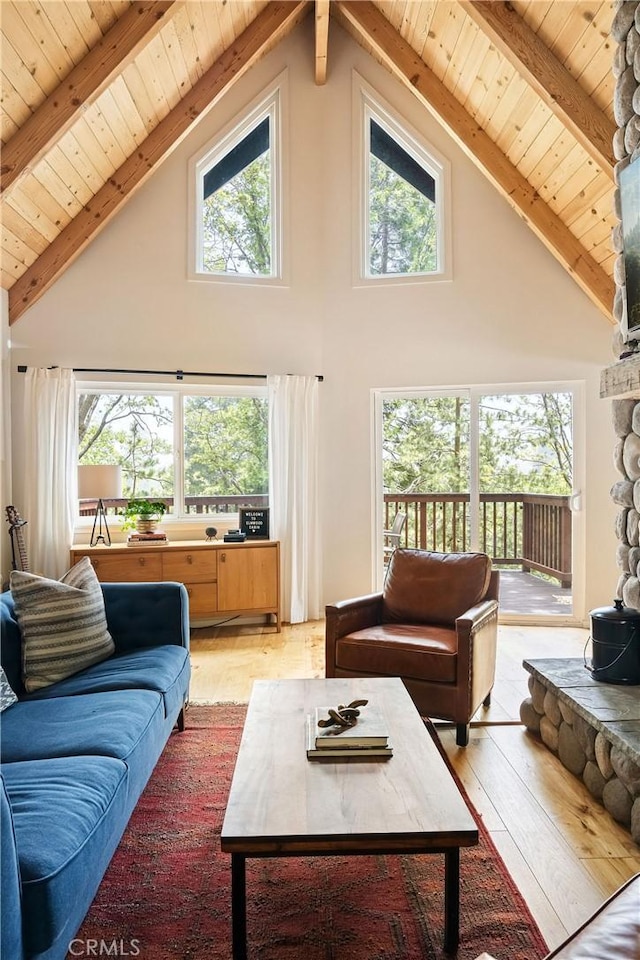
269,27
82,86
370,28
322,40
539,67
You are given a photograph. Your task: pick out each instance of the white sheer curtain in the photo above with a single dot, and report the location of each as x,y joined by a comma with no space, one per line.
293,492
51,468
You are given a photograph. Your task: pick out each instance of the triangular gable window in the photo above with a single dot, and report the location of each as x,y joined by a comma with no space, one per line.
403,200
237,201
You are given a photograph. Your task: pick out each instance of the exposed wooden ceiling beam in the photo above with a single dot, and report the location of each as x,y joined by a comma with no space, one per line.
564,96
322,40
277,19
82,86
370,27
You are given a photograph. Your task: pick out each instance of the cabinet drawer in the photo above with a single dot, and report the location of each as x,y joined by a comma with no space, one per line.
190,566
203,600
139,567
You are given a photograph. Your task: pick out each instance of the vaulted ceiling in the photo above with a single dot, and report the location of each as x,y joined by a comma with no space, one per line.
97,93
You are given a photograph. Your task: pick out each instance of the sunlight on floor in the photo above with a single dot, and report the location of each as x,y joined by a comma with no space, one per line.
226,660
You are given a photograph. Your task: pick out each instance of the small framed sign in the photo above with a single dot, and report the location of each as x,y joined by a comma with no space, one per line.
254,521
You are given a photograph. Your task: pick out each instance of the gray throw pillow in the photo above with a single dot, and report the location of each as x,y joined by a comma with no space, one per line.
7,696
62,623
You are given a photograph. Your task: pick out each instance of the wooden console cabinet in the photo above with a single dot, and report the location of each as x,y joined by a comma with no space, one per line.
222,579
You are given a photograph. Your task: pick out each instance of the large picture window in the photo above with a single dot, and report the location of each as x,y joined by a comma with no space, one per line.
200,451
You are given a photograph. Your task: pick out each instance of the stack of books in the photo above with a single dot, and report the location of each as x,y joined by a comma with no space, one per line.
368,739
136,539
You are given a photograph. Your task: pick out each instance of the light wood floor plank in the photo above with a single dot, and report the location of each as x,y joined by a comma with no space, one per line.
565,798
546,852
611,874
511,694
549,923
472,785
226,660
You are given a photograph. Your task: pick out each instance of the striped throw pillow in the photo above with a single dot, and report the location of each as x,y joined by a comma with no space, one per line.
62,623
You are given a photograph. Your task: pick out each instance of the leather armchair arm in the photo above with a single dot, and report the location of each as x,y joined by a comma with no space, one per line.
475,619
477,644
345,617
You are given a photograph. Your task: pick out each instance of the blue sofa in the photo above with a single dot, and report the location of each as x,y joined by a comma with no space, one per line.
76,755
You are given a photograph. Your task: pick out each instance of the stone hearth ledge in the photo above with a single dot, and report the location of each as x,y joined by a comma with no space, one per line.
593,728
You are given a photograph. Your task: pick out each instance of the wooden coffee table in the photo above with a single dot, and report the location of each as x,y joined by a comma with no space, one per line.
281,804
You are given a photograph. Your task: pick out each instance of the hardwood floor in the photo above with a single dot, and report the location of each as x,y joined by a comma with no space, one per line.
226,660
564,851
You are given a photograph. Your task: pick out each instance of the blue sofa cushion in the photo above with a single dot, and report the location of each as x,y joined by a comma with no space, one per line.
11,894
147,614
165,669
68,817
129,725
106,724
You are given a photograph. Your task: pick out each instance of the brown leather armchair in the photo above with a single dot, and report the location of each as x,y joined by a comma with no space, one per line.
434,624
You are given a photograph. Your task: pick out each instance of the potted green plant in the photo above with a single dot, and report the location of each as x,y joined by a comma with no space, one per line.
143,514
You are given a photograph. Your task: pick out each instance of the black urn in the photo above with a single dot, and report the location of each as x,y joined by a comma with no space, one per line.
615,637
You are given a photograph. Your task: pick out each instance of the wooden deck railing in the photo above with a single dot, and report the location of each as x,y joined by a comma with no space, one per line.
194,505
516,529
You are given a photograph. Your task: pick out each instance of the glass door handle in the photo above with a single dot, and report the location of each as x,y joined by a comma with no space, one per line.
575,502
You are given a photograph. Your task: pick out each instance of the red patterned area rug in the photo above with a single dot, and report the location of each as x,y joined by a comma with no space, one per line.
166,894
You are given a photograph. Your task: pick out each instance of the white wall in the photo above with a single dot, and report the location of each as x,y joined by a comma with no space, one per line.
510,314
5,433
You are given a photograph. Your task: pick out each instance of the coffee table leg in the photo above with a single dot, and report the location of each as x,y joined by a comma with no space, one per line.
451,900
238,907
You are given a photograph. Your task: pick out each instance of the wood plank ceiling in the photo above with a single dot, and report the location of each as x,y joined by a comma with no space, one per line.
96,94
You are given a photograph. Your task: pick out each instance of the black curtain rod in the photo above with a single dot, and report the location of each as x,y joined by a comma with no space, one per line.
178,374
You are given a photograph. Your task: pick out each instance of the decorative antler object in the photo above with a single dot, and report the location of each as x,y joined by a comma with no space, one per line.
344,717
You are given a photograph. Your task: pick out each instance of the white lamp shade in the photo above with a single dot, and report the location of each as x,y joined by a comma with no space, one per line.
99,481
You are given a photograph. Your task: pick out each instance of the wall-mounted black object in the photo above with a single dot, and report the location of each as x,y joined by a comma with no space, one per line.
629,186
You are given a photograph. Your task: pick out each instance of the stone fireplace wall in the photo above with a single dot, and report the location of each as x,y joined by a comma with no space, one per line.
569,718
625,492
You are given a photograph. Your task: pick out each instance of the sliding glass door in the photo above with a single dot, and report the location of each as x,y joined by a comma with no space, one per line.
425,468
488,469
525,453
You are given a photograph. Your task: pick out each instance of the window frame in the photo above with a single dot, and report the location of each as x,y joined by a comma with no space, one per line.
369,105
178,392
272,105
